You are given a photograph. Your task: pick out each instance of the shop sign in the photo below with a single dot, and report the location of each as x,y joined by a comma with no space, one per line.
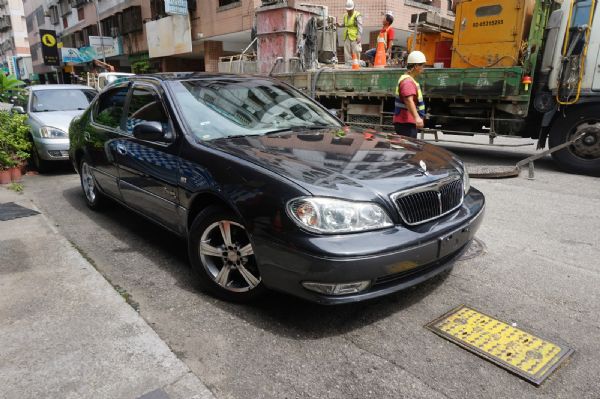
169,36
70,55
49,47
176,7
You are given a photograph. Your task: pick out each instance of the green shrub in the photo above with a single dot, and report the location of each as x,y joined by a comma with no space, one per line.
9,86
14,139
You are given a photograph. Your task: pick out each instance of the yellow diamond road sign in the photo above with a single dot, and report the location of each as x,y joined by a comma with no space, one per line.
49,40
514,349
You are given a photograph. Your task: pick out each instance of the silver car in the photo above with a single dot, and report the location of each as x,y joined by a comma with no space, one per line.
50,109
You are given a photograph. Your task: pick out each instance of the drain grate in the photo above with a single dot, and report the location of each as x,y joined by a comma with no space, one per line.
477,248
10,210
512,348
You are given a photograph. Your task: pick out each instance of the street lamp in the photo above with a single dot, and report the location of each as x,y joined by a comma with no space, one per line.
100,31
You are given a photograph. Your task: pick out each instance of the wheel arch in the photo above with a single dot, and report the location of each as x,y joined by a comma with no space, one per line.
78,156
203,200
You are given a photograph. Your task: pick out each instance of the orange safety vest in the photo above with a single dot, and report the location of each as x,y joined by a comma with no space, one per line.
384,36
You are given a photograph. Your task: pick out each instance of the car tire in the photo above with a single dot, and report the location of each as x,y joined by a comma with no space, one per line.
222,256
94,199
40,164
582,157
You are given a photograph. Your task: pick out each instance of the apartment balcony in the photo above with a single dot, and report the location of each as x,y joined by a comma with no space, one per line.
5,23
78,3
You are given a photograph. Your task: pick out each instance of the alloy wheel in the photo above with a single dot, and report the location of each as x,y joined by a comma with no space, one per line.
87,181
228,257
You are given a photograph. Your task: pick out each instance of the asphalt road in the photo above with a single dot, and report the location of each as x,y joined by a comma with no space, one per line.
540,269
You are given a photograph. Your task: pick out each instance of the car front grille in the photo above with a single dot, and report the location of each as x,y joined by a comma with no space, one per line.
422,204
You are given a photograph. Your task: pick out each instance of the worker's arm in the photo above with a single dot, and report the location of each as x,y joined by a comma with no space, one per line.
359,24
412,108
389,48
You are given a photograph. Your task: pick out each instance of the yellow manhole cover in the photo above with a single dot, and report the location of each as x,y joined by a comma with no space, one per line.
518,351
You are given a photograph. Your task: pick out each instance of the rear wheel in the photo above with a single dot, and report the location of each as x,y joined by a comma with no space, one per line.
583,156
93,197
222,256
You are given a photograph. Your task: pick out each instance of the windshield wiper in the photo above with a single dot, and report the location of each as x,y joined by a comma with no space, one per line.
296,129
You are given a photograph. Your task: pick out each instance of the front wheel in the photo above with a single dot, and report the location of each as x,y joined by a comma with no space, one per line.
222,256
583,156
40,164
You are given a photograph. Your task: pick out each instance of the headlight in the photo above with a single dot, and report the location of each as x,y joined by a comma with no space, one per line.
48,132
466,180
328,215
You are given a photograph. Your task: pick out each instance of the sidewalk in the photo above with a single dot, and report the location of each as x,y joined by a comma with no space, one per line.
66,333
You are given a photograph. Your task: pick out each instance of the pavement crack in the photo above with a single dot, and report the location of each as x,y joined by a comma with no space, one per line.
392,362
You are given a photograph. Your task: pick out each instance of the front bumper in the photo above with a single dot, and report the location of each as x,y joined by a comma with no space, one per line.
418,255
52,149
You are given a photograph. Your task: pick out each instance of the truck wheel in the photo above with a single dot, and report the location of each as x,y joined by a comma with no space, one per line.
583,156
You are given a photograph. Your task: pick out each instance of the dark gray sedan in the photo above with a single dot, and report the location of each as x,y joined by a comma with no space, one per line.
272,191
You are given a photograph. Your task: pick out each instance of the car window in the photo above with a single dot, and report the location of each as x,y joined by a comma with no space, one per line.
229,107
61,100
109,109
145,106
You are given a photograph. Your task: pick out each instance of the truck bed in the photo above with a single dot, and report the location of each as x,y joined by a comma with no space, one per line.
498,84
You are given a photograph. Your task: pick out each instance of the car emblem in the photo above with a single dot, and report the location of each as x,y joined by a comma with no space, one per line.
423,166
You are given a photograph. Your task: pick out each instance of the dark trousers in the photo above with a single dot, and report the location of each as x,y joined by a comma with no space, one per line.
406,129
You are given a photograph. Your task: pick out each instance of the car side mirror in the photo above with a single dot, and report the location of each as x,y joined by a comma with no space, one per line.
18,109
149,131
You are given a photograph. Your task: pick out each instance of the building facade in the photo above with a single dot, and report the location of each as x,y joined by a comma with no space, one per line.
180,35
15,57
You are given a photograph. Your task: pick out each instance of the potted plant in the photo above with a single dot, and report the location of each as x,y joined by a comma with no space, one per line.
14,145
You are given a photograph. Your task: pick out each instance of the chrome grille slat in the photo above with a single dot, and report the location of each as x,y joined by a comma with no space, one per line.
422,204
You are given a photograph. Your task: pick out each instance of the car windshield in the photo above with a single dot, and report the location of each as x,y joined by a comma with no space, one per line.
232,107
61,100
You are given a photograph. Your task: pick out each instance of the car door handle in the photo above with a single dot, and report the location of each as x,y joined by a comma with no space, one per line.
121,149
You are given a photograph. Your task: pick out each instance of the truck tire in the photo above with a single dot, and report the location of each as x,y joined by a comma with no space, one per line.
583,156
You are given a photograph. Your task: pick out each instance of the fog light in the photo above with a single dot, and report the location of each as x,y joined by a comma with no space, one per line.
337,289
55,153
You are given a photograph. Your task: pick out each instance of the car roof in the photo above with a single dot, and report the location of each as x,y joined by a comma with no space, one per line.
167,76
59,87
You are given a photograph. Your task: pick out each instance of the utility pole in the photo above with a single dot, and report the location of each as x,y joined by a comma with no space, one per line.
100,31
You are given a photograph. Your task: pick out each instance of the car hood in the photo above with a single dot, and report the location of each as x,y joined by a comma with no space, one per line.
57,119
346,162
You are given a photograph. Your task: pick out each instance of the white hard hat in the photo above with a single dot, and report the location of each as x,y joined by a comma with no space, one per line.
416,57
349,5
389,13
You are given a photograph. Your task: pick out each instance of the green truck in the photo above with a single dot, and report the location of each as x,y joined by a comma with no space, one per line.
552,95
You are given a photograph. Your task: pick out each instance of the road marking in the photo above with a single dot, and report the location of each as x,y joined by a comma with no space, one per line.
512,348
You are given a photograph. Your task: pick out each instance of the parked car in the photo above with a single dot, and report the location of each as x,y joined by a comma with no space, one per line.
271,190
50,109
